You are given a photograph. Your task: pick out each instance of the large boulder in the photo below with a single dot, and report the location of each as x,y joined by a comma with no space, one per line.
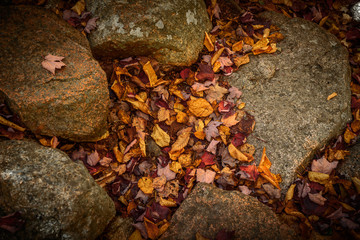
57,197
72,104
287,93
208,210
170,31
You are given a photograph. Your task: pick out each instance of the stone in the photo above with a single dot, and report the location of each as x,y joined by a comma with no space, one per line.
57,197
208,209
119,228
287,94
170,31
350,167
71,104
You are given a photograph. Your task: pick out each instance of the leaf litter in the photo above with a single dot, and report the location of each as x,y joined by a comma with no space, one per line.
193,118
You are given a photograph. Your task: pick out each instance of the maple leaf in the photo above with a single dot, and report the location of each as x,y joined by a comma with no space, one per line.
206,176
211,130
322,165
52,62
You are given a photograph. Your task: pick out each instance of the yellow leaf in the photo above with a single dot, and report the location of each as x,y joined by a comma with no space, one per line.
248,41
140,106
264,170
142,145
216,66
208,43
224,131
181,117
136,235
349,135
241,60
149,71
160,136
237,46
44,142
318,177
347,206
79,7
200,107
216,55
5,122
122,71
181,141
124,117
118,89
163,114
290,193
118,155
230,120
178,107
266,32
175,167
146,185
174,90
331,96
237,154
185,159
167,202
262,44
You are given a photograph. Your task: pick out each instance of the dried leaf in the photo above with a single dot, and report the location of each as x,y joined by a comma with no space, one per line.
264,170
208,43
331,96
317,198
215,93
93,158
237,46
229,120
245,190
163,114
290,193
151,229
216,55
200,107
146,185
52,62
149,71
79,7
212,146
206,176
140,106
241,60
165,171
167,202
160,136
318,177
237,154
211,130
322,165
90,25
356,182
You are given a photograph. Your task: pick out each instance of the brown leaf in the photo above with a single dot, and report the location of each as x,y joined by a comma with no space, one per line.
52,62
79,7
160,136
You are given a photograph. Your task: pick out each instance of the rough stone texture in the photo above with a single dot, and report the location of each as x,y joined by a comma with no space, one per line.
57,197
119,228
287,93
72,104
350,167
170,31
208,209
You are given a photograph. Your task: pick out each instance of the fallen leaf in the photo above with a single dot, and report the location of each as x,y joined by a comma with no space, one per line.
90,25
331,96
175,167
146,185
215,93
208,158
200,107
237,46
318,177
93,158
264,170
79,7
140,106
165,171
208,43
245,190
290,193
211,130
149,71
159,183
322,165
212,146
229,120
206,176
167,202
251,172
160,136
241,60
356,182
271,191
216,55
237,154
151,229
5,122
52,62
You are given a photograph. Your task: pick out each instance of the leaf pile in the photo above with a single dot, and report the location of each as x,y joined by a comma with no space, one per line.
170,130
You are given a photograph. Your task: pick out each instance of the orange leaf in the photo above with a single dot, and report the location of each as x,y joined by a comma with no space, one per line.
237,46
151,229
208,43
264,170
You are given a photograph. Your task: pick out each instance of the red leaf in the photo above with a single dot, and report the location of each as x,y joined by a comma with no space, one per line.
208,158
205,73
185,73
251,171
238,140
12,222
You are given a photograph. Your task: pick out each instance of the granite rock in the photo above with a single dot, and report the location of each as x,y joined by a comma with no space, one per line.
170,31
57,197
287,94
208,210
73,103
